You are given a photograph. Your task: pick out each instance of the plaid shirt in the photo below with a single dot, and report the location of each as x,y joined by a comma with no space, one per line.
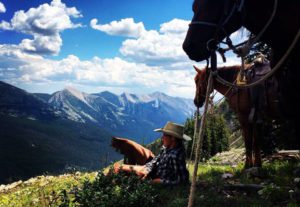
169,166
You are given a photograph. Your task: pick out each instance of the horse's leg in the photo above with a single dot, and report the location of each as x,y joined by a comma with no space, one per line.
247,134
257,136
249,147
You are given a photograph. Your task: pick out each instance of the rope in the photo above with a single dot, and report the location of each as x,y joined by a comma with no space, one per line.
196,130
245,50
199,143
235,141
273,70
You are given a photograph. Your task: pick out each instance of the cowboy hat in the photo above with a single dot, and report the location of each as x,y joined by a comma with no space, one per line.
175,130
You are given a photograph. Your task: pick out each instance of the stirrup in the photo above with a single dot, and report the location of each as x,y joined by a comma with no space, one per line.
241,79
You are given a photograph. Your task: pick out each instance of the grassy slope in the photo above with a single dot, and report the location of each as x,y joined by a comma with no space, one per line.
277,179
29,148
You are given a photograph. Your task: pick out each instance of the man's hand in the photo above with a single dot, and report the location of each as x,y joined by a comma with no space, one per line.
141,171
156,180
117,167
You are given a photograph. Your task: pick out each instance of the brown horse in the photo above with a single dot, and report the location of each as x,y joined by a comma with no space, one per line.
240,101
214,20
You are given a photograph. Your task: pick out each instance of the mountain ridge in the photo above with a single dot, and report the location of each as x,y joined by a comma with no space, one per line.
47,132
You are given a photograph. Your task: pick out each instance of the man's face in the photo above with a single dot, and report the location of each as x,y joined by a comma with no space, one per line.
167,140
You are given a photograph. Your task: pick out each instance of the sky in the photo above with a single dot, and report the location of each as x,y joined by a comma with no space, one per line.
132,46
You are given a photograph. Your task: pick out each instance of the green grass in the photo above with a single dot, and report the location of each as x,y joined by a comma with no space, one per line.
42,191
277,176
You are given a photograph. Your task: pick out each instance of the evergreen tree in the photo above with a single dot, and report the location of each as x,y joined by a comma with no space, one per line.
215,138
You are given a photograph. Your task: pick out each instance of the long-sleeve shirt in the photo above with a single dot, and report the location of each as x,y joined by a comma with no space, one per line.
169,165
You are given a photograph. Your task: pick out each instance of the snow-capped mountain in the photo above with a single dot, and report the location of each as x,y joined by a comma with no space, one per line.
126,114
47,132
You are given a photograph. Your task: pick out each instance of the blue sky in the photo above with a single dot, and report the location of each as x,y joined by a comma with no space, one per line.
121,46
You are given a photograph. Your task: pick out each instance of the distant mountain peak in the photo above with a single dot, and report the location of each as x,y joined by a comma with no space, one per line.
130,97
105,93
158,94
76,93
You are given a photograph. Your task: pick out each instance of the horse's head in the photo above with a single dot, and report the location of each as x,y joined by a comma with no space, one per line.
201,79
213,20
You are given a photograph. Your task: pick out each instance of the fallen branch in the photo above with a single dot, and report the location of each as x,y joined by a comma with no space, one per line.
243,187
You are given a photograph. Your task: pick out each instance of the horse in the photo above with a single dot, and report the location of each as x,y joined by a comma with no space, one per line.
276,22
239,101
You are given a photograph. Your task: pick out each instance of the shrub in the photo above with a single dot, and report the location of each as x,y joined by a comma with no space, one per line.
123,189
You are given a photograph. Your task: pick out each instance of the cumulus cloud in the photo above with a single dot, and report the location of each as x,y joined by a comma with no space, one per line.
158,47
161,47
2,8
175,26
114,73
44,23
125,27
149,46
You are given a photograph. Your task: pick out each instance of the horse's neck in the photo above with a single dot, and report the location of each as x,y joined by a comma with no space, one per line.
222,89
227,74
284,26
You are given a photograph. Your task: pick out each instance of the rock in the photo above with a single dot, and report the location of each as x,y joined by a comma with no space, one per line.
297,182
2,187
15,184
227,175
260,192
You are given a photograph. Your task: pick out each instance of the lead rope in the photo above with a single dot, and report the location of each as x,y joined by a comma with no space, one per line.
199,143
196,130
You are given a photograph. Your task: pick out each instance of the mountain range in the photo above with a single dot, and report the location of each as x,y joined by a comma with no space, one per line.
128,115
51,132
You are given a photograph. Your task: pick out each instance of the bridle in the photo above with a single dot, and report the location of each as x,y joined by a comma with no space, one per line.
202,84
241,49
212,44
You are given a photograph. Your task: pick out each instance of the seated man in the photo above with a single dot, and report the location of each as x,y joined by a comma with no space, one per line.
168,167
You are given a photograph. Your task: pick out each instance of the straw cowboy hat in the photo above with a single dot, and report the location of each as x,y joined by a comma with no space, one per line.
175,130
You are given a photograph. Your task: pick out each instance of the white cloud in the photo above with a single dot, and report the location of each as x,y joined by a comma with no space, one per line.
157,48
239,35
42,44
2,8
5,25
153,60
125,27
151,47
175,26
115,73
44,23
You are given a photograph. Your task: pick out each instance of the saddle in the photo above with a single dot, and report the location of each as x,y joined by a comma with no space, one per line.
263,93
134,153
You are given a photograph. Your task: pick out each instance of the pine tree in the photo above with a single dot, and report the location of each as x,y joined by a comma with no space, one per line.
215,138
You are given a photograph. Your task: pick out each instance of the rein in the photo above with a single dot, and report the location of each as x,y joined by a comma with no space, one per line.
269,74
